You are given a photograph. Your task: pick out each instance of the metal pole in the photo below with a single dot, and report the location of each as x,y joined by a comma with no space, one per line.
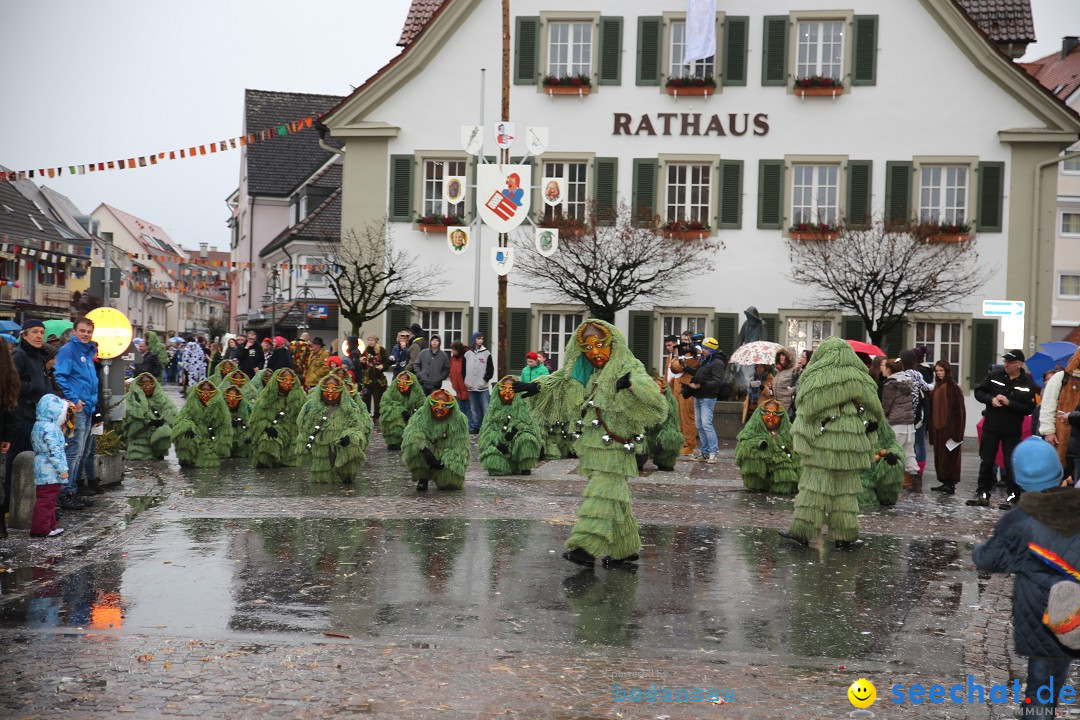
505,157
479,224
273,303
106,395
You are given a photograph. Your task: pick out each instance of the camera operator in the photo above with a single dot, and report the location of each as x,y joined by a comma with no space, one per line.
678,376
705,388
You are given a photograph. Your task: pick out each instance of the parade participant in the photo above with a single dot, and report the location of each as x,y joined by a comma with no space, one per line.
240,412
883,479
835,436
333,433
680,364
154,347
764,453
193,361
614,400
202,431
664,440
223,369
398,407
255,385
148,418
301,355
273,421
435,445
509,441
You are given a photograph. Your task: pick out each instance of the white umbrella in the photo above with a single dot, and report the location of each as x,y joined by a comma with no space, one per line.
759,352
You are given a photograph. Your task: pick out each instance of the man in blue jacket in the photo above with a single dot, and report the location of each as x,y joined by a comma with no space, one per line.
78,380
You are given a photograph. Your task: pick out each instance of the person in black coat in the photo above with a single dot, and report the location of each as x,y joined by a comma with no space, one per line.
1049,516
281,357
150,362
705,388
29,358
249,356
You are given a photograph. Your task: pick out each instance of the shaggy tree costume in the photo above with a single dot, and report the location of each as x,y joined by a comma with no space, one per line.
882,481
398,405
764,452
153,344
148,418
665,440
835,435
255,385
509,441
333,433
202,431
240,411
273,421
221,372
436,444
613,399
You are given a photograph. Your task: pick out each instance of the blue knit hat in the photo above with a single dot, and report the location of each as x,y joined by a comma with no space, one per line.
1036,466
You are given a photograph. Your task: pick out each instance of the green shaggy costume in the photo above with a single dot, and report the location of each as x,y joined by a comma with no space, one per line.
835,435
254,386
241,422
509,441
333,434
664,440
202,431
147,420
221,371
153,344
396,409
765,458
273,422
437,449
882,481
612,405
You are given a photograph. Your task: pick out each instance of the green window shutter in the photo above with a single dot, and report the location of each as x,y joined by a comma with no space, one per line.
527,39
898,190
640,338
731,192
864,54
853,328
398,318
726,330
605,190
485,323
770,194
401,185
518,327
774,70
859,193
736,36
772,323
896,339
643,202
610,51
991,197
984,343
648,50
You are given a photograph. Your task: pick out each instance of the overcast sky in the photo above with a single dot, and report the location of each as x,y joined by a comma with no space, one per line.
92,81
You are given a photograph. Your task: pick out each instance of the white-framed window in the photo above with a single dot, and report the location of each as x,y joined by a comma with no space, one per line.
942,341
434,172
575,177
1071,167
943,193
820,49
807,333
446,323
688,192
313,271
815,193
677,43
556,332
677,325
569,48
1070,224
1069,285
244,281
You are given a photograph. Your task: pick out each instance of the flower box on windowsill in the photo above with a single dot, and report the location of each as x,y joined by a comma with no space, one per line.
686,234
818,91
580,90
949,237
433,227
565,231
690,90
813,235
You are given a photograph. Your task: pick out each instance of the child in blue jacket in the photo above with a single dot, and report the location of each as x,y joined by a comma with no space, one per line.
50,463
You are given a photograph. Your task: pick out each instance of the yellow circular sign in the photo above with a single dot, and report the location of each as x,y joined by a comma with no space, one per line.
112,332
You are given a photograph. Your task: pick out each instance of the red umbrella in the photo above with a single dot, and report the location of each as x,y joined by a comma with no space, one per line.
864,347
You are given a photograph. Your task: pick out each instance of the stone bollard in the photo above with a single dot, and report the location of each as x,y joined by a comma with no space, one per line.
727,419
23,491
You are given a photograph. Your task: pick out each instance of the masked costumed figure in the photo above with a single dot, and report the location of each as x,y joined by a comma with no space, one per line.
835,436
333,433
613,398
240,411
663,441
148,417
202,431
221,372
398,407
509,441
764,452
153,344
273,421
435,445
255,385
881,483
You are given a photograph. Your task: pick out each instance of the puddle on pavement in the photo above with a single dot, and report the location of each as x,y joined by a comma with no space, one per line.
698,589
141,503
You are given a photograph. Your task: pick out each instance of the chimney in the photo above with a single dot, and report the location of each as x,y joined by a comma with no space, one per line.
1068,44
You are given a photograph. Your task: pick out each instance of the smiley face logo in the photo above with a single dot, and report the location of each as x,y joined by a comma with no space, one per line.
862,693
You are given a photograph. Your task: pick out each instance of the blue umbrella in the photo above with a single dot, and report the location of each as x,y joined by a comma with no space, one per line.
1059,350
9,326
1038,364
9,338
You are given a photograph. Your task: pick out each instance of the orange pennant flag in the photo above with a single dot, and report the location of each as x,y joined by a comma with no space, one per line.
308,121
202,149
112,165
172,154
191,152
243,141
153,159
131,162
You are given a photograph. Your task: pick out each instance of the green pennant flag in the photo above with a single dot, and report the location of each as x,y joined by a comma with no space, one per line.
282,131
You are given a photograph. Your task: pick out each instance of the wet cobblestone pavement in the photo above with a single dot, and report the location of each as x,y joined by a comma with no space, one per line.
241,593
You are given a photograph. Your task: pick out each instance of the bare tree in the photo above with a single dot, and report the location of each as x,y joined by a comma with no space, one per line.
882,272
368,272
608,268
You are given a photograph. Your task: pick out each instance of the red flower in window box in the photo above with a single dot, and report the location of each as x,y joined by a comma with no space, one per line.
685,229
438,223
818,86
814,231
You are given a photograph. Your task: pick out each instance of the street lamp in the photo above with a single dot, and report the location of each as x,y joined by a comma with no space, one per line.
301,299
271,298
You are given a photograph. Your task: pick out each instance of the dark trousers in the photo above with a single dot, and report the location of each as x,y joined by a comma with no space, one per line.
1046,672
988,448
43,521
372,398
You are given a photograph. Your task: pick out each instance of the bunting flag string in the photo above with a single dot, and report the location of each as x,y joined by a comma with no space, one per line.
251,138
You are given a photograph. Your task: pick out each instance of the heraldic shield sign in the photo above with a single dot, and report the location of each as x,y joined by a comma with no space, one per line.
502,260
503,195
